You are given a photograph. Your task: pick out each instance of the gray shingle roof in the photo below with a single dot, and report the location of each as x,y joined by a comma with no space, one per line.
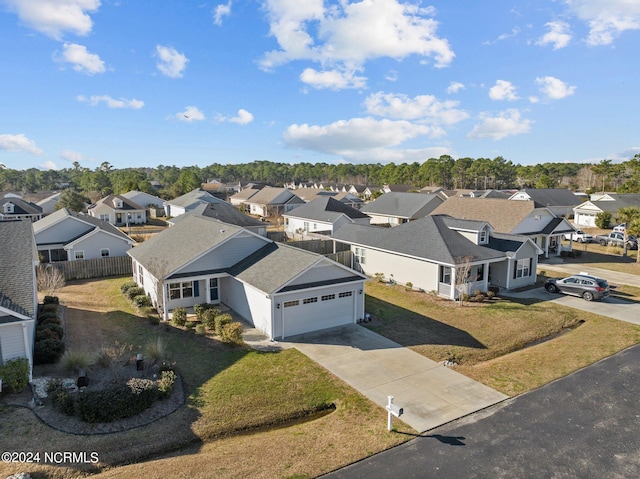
194,198
222,212
127,204
269,194
21,207
245,194
92,223
17,267
403,205
552,197
429,238
620,201
325,209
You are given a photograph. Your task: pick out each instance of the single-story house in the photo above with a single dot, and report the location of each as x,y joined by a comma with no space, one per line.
325,215
271,202
68,236
146,200
225,213
242,196
560,201
119,211
17,209
278,289
189,201
443,254
512,217
396,208
585,214
18,291
48,204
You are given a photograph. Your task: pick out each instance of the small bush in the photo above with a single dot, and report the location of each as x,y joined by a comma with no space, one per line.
48,308
408,285
179,317
209,318
117,401
47,315
142,301
232,333
201,329
165,384
379,277
465,297
156,349
51,321
127,286
15,374
61,399
200,309
490,294
220,322
494,289
49,331
477,292
133,292
47,351
190,325
74,361
479,298
50,300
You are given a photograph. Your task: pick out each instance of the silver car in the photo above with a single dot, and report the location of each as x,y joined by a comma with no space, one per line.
583,285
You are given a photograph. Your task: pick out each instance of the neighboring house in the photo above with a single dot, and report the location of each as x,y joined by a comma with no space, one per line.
512,217
271,201
560,201
398,188
119,211
324,214
429,252
397,208
242,196
278,289
18,291
68,236
145,199
309,195
48,204
189,201
225,213
585,213
12,208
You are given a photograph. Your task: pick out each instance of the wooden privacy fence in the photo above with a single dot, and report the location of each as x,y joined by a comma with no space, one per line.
324,247
95,268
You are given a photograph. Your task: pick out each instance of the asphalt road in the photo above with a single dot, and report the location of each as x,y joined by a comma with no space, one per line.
582,426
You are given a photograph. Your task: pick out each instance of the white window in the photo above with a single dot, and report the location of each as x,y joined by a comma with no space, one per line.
360,255
140,276
181,290
104,217
8,207
104,252
79,254
445,275
305,226
522,268
483,237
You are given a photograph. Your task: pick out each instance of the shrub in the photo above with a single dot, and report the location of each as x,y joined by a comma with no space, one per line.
47,351
477,292
232,333
490,294
51,321
479,298
47,315
379,277
179,317
50,300
201,309
408,285
74,361
165,383
220,322
61,399
117,401
48,308
133,292
49,331
156,349
603,220
142,301
190,325
209,318
15,374
494,289
201,329
465,297
127,286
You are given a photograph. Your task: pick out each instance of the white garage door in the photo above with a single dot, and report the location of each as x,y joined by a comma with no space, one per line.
312,312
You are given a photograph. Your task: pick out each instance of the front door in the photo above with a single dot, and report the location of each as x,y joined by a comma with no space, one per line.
214,294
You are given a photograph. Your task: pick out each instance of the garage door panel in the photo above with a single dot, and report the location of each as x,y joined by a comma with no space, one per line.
327,311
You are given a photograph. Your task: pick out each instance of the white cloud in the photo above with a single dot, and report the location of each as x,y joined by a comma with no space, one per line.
455,87
607,19
554,89
49,165
220,12
507,123
81,59
95,100
19,142
191,113
503,90
243,117
333,79
423,108
54,17
343,36
72,156
559,35
171,63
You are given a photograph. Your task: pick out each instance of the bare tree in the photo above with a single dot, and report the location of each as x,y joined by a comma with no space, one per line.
463,270
49,279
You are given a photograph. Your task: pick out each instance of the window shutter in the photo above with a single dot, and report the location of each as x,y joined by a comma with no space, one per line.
530,266
515,269
196,288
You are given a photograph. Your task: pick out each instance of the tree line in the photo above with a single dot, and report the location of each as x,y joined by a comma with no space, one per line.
446,172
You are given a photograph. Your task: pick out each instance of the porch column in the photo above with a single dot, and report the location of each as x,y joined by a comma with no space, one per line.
453,283
165,310
485,276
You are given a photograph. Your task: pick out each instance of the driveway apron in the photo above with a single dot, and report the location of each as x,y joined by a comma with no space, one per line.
430,393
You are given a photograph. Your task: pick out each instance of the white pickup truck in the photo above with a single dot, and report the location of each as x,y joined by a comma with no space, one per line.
579,236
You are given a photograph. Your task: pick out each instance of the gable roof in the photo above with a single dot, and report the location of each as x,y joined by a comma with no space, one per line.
223,212
269,194
20,207
91,221
194,198
551,197
17,262
148,199
622,200
403,205
127,204
245,194
325,209
429,238
504,215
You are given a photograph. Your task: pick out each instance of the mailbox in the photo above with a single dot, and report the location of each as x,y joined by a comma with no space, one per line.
395,410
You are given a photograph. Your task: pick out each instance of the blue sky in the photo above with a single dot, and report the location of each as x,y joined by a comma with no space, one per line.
144,82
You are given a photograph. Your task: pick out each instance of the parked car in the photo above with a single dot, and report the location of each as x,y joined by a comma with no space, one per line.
579,236
583,285
616,238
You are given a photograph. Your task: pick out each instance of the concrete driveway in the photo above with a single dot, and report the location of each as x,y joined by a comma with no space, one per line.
377,367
